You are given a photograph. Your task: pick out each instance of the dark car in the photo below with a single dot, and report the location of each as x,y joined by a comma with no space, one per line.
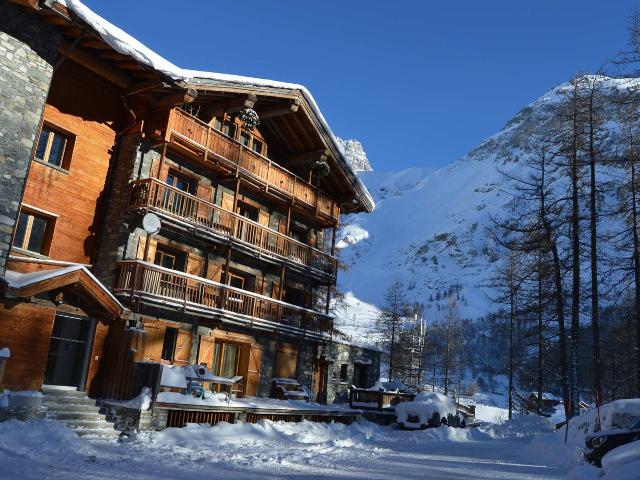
600,443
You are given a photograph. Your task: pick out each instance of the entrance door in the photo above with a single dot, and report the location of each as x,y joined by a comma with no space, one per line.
69,351
360,375
319,386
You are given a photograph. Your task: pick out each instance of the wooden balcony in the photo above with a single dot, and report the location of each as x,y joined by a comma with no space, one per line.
169,201
185,128
169,288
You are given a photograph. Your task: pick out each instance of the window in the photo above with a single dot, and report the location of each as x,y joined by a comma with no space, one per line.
33,232
248,211
257,146
217,124
181,182
236,281
360,375
52,146
344,372
229,129
245,139
169,343
225,359
169,258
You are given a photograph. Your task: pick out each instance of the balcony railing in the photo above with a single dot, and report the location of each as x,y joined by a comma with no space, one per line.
158,196
200,296
236,156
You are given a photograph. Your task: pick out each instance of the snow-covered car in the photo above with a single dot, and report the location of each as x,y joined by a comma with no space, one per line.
429,409
600,443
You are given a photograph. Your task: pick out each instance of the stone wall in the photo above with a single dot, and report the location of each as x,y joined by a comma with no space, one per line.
28,49
350,355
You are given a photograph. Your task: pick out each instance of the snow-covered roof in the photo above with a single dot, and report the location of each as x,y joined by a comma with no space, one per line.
18,280
124,43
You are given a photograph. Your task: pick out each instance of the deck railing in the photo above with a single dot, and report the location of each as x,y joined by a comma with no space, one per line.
155,195
235,155
141,279
376,399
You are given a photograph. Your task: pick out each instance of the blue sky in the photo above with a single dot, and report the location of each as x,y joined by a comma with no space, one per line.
418,82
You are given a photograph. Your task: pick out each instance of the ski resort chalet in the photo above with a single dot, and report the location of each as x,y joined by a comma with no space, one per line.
155,220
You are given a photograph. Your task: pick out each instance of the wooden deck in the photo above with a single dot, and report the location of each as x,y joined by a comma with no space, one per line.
179,415
208,218
213,145
140,280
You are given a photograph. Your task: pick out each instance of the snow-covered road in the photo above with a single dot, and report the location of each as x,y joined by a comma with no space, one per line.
44,449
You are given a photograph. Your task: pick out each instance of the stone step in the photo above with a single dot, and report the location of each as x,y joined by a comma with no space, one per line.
89,433
70,408
74,415
87,424
46,400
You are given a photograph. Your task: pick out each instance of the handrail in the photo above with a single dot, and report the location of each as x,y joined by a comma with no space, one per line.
232,151
137,276
154,194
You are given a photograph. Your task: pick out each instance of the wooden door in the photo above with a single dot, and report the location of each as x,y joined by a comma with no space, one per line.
253,372
319,384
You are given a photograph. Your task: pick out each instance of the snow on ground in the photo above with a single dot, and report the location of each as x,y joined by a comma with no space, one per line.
268,450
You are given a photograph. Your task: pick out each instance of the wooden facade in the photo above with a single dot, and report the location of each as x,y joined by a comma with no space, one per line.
239,276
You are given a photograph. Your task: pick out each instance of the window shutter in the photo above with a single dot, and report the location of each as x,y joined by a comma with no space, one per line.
263,218
154,341
215,272
205,192
183,348
141,246
195,264
205,353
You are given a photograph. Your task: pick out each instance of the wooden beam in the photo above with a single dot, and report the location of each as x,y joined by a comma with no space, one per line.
93,42
96,65
306,157
174,99
231,106
282,108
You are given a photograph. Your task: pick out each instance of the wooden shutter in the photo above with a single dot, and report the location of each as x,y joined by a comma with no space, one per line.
286,361
183,348
204,192
313,239
205,353
195,265
152,248
227,201
253,372
214,272
263,218
154,341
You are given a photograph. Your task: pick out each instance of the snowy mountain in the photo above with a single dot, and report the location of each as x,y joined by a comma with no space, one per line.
356,156
429,228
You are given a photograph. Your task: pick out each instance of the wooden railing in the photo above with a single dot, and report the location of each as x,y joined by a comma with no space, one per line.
155,195
376,399
142,279
236,156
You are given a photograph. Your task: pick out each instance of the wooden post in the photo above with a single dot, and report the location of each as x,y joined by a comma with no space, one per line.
289,221
226,266
282,271
328,299
235,195
161,162
146,248
333,240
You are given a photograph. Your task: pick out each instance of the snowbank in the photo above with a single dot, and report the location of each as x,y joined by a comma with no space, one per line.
140,402
617,414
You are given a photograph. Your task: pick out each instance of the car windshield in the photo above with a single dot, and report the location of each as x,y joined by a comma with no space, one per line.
635,425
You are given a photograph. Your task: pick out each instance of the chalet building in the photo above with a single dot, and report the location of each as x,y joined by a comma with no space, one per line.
148,216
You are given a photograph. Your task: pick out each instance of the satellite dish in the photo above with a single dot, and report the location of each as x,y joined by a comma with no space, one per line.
151,223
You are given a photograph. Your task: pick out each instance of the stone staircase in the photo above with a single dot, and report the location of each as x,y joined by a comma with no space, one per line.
76,411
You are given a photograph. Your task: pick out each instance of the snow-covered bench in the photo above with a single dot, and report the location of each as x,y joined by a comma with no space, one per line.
289,389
